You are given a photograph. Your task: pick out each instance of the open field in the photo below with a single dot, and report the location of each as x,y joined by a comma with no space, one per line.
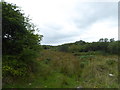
69,70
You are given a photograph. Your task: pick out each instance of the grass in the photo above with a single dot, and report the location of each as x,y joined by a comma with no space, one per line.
68,70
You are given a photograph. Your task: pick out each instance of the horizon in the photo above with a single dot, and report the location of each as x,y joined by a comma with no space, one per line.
68,21
79,40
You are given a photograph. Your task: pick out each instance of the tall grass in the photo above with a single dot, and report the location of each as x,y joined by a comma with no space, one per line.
66,70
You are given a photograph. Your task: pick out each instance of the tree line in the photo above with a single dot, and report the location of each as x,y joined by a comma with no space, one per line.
104,44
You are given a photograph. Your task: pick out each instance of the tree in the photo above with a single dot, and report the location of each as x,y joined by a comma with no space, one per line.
106,40
20,44
101,40
112,40
81,42
17,30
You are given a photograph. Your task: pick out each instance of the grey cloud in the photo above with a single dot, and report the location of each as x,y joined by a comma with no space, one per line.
56,41
52,34
54,26
94,12
59,38
91,12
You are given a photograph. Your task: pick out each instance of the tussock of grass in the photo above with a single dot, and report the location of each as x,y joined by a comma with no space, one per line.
96,74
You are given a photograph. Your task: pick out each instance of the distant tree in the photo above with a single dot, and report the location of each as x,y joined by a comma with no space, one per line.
112,40
106,40
101,40
81,42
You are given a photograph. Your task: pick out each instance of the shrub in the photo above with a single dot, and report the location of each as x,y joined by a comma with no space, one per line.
113,47
63,48
12,68
110,62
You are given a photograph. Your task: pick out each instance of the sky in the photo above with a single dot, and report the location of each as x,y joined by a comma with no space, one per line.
67,21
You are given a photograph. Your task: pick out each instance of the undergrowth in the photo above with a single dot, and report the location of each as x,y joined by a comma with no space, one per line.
67,70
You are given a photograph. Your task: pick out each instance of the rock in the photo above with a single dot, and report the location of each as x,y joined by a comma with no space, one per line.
79,87
111,75
30,84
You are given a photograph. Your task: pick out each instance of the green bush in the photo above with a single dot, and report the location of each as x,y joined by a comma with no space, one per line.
28,55
13,67
110,62
63,48
114,47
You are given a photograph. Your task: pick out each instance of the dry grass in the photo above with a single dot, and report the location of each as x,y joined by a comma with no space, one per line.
66,70
89,70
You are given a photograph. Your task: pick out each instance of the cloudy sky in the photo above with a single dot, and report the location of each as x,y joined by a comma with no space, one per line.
65,21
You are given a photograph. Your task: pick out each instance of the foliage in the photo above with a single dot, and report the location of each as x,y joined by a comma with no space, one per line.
105,45
20,44
18,32
13,67
114,47
63,48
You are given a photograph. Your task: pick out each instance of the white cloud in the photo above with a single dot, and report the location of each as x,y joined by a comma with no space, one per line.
101,29
62,21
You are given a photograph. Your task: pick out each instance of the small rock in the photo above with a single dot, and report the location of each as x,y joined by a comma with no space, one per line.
79,87
29,83
111,75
